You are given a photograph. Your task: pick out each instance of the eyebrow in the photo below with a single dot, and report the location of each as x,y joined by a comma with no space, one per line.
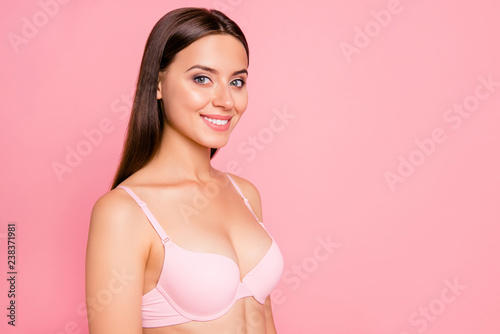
212,70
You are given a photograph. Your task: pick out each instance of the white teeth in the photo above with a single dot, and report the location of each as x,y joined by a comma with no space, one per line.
216,121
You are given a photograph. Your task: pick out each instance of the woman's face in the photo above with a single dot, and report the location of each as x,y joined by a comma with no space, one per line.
206,80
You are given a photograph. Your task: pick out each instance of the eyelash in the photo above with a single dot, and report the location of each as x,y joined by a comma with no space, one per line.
243,82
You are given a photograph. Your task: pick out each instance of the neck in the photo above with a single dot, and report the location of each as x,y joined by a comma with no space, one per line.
180,158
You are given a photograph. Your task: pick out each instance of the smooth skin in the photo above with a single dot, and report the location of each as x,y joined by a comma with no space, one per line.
195,203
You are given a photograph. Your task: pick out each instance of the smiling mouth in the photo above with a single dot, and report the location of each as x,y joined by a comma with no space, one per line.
216,123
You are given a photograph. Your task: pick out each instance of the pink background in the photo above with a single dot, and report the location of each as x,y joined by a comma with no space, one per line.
365,98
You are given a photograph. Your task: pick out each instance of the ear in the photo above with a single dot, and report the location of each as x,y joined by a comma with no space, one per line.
158,90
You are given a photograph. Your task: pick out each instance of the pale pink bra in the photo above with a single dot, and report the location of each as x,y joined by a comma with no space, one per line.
203,286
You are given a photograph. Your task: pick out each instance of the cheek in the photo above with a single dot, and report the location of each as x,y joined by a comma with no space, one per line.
241,102
197,99
184,97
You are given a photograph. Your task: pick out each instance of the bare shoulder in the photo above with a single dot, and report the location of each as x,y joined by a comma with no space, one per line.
116,216
115,207
251,193
115,201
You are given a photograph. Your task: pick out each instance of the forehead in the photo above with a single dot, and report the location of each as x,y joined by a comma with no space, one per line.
221,52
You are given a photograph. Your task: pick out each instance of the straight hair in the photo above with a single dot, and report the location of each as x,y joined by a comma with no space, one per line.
172,33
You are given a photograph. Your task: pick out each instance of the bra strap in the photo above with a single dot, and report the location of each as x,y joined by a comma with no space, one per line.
244,198
161,232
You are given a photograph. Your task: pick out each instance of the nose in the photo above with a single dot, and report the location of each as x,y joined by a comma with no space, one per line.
223,97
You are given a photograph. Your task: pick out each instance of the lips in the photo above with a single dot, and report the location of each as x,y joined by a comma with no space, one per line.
214,116
216,124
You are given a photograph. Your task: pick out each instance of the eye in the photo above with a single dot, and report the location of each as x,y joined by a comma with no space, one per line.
238,83
202,80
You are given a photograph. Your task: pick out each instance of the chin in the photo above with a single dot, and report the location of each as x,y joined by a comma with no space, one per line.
217,146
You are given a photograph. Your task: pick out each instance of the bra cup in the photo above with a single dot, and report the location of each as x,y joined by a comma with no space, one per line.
266,275
198,284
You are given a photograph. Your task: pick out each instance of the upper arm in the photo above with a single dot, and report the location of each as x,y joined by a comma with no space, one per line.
114,269
251,193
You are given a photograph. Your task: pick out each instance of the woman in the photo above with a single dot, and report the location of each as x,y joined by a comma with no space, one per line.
177,246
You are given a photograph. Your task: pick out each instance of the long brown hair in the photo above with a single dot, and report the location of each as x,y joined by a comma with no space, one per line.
172,33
